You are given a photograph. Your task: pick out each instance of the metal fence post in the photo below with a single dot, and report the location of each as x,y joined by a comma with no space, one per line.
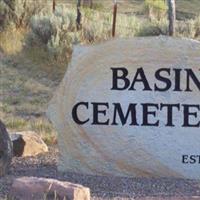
114,18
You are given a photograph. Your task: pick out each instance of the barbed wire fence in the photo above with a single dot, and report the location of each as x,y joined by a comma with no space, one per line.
173,13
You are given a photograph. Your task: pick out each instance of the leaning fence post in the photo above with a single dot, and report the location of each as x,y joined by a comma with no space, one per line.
114,18
172,16
78,19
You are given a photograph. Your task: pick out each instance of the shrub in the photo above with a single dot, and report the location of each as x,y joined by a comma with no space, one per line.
95,26
9,36
60,28
186,28
56,30
128,26
189,28
153,28
42,27
5,15
19,12
156,9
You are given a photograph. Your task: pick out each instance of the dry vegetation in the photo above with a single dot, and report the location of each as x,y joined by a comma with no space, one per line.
37,46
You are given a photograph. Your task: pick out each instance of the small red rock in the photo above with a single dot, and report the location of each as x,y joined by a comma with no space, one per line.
33,188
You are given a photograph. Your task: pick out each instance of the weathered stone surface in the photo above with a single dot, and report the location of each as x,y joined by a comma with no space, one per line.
5,150
130,147
37,188
27,143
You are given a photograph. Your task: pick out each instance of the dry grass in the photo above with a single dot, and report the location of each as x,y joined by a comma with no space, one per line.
11,40
26,88
28,75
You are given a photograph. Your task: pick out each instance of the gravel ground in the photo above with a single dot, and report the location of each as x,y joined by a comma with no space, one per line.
102,188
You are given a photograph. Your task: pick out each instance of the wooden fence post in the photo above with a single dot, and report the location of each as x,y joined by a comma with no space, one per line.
54,5
78,19
172,17
114,18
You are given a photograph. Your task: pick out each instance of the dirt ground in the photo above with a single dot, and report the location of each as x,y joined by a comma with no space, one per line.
102,188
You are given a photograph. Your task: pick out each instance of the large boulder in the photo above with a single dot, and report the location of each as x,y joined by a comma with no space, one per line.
37,188
27,143
5,149
112,109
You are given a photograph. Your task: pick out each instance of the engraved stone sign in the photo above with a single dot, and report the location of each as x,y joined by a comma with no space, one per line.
131,107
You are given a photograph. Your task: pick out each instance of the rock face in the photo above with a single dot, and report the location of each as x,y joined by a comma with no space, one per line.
131,108
33,188
5,150
27,143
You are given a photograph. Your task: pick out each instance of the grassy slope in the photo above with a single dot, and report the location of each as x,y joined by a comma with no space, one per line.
28,79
